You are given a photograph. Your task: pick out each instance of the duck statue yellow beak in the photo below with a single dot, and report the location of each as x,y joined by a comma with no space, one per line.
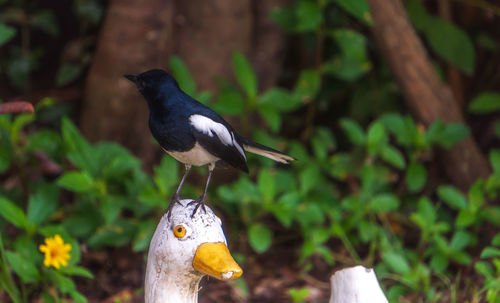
214,259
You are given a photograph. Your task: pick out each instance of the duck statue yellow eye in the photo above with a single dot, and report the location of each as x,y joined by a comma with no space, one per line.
182,251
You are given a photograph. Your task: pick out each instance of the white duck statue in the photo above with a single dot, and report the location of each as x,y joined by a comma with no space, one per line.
183,250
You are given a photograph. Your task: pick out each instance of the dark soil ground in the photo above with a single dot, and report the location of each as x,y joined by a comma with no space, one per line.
119,277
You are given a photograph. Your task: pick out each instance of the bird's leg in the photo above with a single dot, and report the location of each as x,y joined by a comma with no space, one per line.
176,197
202,198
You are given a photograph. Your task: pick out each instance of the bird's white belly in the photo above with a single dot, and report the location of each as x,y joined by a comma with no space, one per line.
197,156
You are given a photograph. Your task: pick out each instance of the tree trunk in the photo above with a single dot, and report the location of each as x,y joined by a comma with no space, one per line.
140,35
429,99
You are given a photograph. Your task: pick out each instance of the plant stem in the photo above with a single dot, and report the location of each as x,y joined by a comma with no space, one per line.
6,279
25,39
311,109
482,4
350,248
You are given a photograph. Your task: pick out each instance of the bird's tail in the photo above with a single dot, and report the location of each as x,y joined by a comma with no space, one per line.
259,149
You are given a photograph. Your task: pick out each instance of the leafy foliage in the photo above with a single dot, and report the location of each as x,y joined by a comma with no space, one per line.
365,183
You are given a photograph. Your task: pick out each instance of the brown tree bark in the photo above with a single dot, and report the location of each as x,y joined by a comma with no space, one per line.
133,38
139,35
429,99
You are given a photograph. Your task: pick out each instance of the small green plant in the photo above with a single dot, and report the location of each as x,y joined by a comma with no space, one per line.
298,295
25,58
111,203
361,194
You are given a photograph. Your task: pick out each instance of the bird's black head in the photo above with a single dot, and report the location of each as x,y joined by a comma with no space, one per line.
154,83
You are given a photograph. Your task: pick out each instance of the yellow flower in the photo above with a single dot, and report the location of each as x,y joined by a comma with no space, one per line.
56,252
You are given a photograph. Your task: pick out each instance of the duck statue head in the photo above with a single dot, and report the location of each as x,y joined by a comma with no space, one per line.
183,250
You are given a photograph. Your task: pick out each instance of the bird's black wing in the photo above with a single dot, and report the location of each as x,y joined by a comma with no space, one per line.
219,139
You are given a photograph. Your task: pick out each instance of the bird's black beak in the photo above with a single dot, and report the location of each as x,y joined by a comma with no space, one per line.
132,78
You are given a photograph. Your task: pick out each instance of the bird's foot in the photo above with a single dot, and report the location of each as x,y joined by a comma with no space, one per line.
176,198
199,202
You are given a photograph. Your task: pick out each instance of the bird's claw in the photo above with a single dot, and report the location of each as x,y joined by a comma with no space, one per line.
176,198
199,202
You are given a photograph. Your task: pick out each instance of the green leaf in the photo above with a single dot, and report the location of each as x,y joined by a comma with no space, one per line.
116,235
496,240
476,196
111,207
6,33
279,99
46,21
460,240
322,142
63,284
229,102
427,210
393,156
483,268
309,16
490,252
77,297
6,150
26,247
465,218
367,231
89,11
309,178
42,204
266,185
402,127
307,86
76,181
486,42
285,17
166,174
495,160
486,102
310,214
76,271
418,14
259,237
396,262
12,213
376,137
416,176
451,43
357,8
68,73
353,61
181,73
25,269
272,118
452,196
354,131
439,263
285,208
144,235
342,165
245,74
79,150
298,295
384,203
448,134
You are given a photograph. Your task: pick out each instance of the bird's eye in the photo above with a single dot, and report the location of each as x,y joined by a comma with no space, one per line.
142,83
179,231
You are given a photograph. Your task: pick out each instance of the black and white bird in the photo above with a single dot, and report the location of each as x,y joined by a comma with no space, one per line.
191,132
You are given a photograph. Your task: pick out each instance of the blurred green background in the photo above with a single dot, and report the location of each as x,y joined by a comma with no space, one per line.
379,181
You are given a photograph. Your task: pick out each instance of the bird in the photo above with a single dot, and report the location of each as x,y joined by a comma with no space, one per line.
193,133
183,250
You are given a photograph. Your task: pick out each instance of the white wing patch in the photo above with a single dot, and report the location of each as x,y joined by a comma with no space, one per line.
209,127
